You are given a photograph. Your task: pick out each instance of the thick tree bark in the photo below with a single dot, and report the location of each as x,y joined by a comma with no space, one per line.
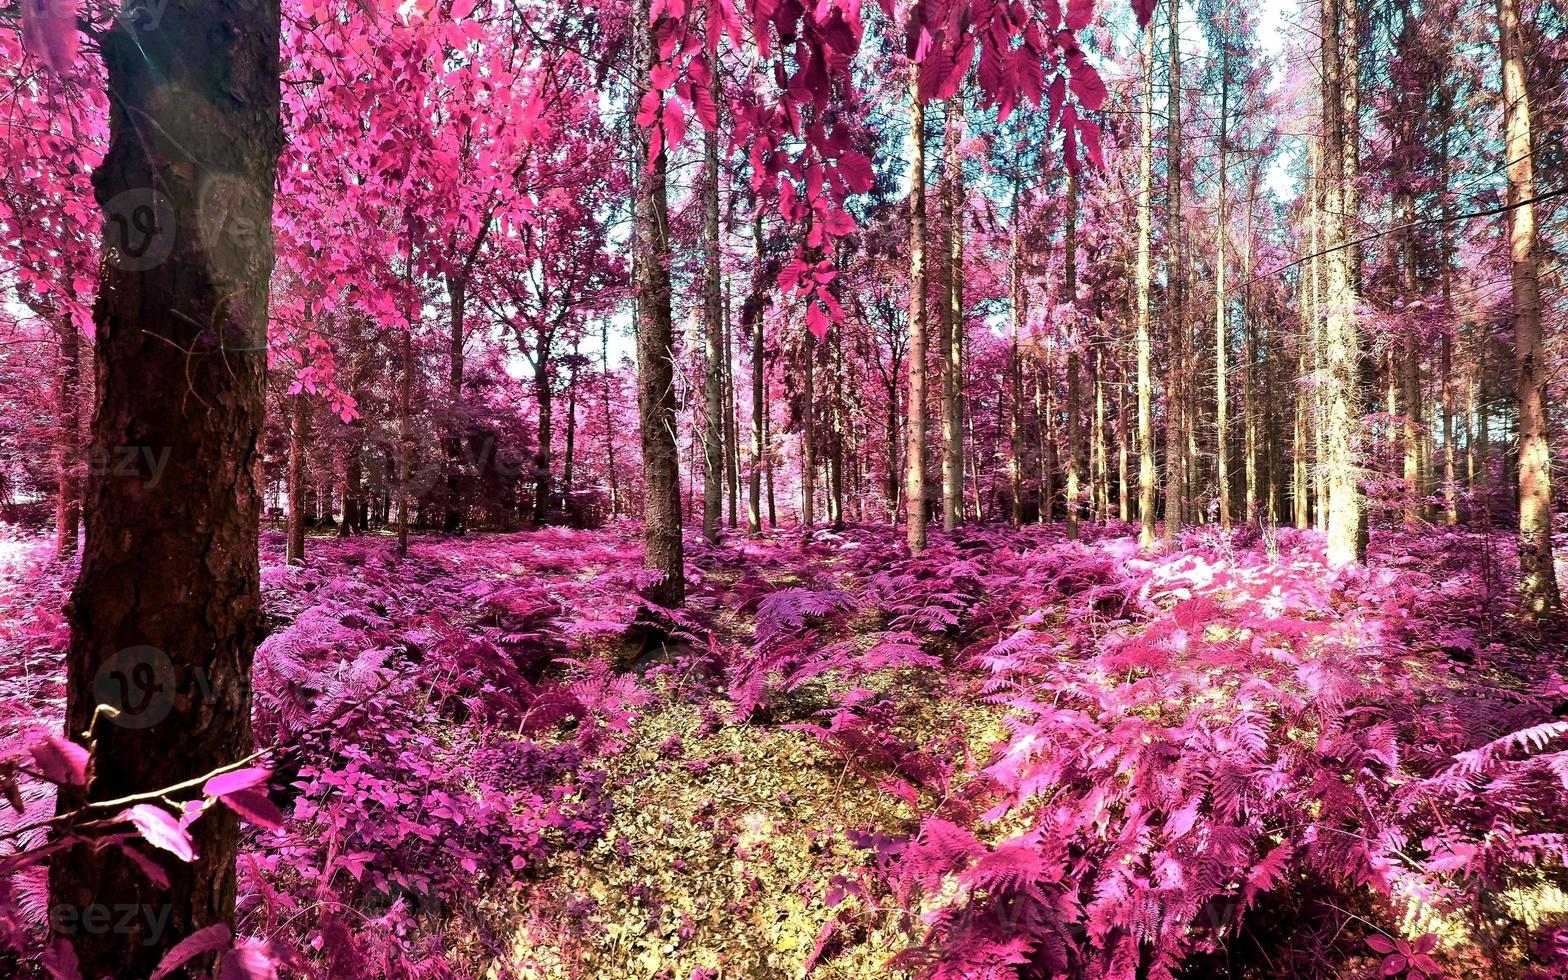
664,550
68,440
170,579
915,450
1144,342
1340,381
1537,574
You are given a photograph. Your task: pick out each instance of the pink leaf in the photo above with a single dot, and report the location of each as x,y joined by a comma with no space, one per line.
49,31
208,940
462,8
160,829
232,782
61,760
248,963
1380,944
253,805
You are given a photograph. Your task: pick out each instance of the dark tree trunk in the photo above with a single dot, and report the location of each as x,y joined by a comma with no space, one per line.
664,550
170,579
68,450
457,296
544,398
299,433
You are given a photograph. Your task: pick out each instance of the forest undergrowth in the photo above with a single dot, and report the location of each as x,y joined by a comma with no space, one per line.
1012,754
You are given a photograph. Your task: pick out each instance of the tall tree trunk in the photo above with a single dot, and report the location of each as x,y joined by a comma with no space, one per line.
1145,346
1537,574
405,431
952,319
609,420
1074,397
1221,334
836,459
1098,475
169,587
569,464
1015,393
713,340
544,448
1341,341
915,450
68,441
808,434
299,431
731,428
1175,273
664,551
758,376
457,299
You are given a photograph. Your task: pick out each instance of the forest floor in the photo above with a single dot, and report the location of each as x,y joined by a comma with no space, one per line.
844,762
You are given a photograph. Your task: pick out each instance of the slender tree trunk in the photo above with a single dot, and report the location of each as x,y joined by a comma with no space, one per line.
68,441
1145,346
544,449
569,464
952,320
758,376
1098,457
1015,422
808,434
457,298
1074,397
299,431
1221,334
713,341
1538,576
169,589
405,432
915,451
836,459
731,426
609,420
1175,273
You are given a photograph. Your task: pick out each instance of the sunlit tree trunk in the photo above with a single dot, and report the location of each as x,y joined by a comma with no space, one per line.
1175,273
664,552
569,464
915,450
168,595
609,420
952,319
758,376
1538,577
1346,530
1144,343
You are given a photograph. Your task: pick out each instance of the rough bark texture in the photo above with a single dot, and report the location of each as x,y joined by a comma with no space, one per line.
915,434
1341,347
664,551
170,575
1538,577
